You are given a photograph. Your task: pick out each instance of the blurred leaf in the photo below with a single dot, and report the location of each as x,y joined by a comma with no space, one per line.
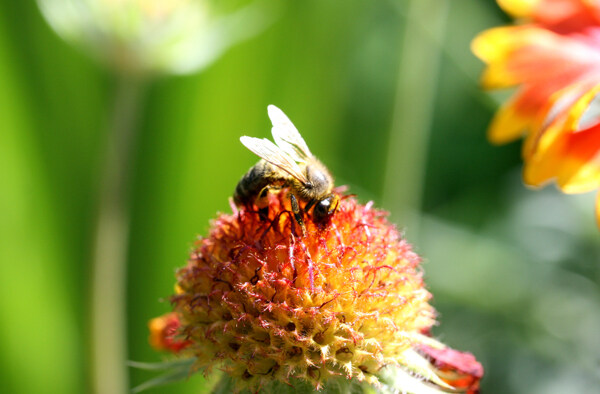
177,371
172,364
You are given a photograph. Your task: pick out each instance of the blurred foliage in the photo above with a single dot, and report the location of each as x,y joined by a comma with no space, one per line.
514,273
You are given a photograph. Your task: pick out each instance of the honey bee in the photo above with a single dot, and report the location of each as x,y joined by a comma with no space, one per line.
287,163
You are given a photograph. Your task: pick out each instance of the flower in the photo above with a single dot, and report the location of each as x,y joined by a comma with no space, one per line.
152,36
163,333
554,59
345,299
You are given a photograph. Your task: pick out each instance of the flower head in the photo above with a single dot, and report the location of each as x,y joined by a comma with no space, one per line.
554,59
151,36
265,303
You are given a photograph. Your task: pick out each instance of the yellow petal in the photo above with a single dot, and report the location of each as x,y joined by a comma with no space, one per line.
571,176
491,45
497,76
575,177
519,8
508,124
537,173
542,153
498,48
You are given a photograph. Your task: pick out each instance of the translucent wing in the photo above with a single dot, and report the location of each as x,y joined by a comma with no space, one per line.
270,152
286,135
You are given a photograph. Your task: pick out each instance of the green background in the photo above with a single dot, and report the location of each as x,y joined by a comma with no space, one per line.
384,92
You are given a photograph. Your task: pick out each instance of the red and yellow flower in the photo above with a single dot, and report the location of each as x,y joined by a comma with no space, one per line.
553,56
265,303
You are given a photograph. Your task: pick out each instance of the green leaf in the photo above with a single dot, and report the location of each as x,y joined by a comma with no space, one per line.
177,371
171,364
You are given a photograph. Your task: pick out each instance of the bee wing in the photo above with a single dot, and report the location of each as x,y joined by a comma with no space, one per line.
270,152
286,135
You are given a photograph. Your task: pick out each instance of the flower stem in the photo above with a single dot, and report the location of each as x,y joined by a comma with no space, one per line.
415,100
110,244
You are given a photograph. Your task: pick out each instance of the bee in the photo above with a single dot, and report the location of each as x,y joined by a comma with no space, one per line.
287,163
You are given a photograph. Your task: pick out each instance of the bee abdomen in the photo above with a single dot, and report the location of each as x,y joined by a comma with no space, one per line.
262,174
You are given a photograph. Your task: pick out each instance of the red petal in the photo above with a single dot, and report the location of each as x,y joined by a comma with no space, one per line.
459,369
567,16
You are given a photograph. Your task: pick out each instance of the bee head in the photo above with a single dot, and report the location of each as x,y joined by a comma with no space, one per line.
325,207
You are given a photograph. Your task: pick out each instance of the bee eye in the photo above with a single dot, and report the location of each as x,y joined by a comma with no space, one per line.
325,208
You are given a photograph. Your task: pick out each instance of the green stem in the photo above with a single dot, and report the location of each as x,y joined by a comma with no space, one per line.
110,244
415,100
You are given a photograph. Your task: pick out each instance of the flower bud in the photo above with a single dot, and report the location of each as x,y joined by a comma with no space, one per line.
152,36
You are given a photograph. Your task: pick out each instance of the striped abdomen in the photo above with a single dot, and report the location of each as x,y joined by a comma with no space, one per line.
262,174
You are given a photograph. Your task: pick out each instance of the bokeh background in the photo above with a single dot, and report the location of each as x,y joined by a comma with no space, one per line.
384,92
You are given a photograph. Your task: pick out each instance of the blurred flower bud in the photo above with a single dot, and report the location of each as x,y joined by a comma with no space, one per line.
152,36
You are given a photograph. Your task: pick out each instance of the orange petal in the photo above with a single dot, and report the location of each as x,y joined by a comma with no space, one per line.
533,56
494,47
580,169
563,152
552,116
567,16
542,168
530,109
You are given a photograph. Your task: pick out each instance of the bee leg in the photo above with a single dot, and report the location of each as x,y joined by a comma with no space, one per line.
262,203
297,213
263,213
309,205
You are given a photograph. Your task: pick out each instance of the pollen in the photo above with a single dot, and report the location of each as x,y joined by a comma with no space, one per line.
264,301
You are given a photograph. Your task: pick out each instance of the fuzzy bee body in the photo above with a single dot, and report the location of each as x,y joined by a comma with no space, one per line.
263,174
286,164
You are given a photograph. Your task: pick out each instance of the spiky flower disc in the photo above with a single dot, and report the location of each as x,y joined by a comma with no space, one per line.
264,302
